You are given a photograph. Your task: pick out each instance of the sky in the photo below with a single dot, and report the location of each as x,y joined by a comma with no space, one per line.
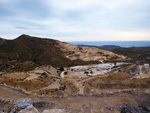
76,20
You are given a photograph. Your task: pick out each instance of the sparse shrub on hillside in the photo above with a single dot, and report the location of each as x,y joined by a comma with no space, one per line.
80,48
91,72
43,73
63,87
62,68
86,72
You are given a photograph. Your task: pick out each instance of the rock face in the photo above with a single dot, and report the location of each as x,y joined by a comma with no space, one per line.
23,103
130,108
29,109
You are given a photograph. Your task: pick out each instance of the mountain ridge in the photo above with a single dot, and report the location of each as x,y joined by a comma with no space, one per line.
43,51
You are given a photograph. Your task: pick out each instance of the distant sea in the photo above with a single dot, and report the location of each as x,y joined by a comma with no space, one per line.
116,43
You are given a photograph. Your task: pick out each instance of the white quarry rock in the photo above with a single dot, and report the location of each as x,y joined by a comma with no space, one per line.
55,111
62,74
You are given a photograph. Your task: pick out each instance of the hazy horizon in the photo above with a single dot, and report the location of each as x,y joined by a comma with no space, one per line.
76,20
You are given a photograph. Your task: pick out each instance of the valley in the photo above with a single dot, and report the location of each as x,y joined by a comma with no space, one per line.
49,76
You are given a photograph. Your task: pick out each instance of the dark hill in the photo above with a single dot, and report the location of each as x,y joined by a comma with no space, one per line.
27,52
137,54
2,41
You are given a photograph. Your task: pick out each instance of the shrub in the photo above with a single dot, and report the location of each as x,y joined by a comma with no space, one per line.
62,68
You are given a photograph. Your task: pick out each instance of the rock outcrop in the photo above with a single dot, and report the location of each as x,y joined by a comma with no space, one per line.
23,103
29,109
130,108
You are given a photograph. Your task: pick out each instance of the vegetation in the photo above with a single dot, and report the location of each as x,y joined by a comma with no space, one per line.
61,68
139,55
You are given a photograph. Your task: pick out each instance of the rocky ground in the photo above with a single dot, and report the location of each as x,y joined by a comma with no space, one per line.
29,83
106,103
44,90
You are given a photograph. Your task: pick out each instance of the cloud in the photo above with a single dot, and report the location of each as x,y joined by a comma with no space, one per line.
76,19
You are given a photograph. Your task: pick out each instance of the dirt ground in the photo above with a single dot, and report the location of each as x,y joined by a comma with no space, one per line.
92,104
99,94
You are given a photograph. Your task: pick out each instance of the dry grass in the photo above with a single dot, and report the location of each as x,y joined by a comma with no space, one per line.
116,81
17,76
28,85
67,87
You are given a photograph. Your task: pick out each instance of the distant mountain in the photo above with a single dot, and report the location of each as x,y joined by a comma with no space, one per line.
26,52
107,47
110,47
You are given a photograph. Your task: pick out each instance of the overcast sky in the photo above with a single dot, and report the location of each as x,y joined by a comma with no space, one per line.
76,20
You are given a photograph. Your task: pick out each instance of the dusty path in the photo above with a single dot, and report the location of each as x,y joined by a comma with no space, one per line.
9,93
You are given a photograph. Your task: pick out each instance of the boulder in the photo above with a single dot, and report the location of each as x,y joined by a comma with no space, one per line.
29,109
23,103
43,104
130,108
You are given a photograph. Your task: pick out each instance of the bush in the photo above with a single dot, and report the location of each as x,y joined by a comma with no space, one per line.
86,72
62,68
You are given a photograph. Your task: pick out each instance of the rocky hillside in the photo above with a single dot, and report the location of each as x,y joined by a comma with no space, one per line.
27,52
74,52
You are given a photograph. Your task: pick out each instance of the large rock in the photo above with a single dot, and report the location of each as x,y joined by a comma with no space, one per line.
29,109
130,108
23,103
42,105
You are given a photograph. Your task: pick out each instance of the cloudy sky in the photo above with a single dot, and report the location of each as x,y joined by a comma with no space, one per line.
76,20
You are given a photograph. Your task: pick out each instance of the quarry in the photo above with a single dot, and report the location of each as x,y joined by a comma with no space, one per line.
48,76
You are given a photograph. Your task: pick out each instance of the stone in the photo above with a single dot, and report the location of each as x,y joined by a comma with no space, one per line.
29,109
43,104
23,103
55,111
130,108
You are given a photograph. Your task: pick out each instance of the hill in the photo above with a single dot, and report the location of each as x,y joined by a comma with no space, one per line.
26,52
139,55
